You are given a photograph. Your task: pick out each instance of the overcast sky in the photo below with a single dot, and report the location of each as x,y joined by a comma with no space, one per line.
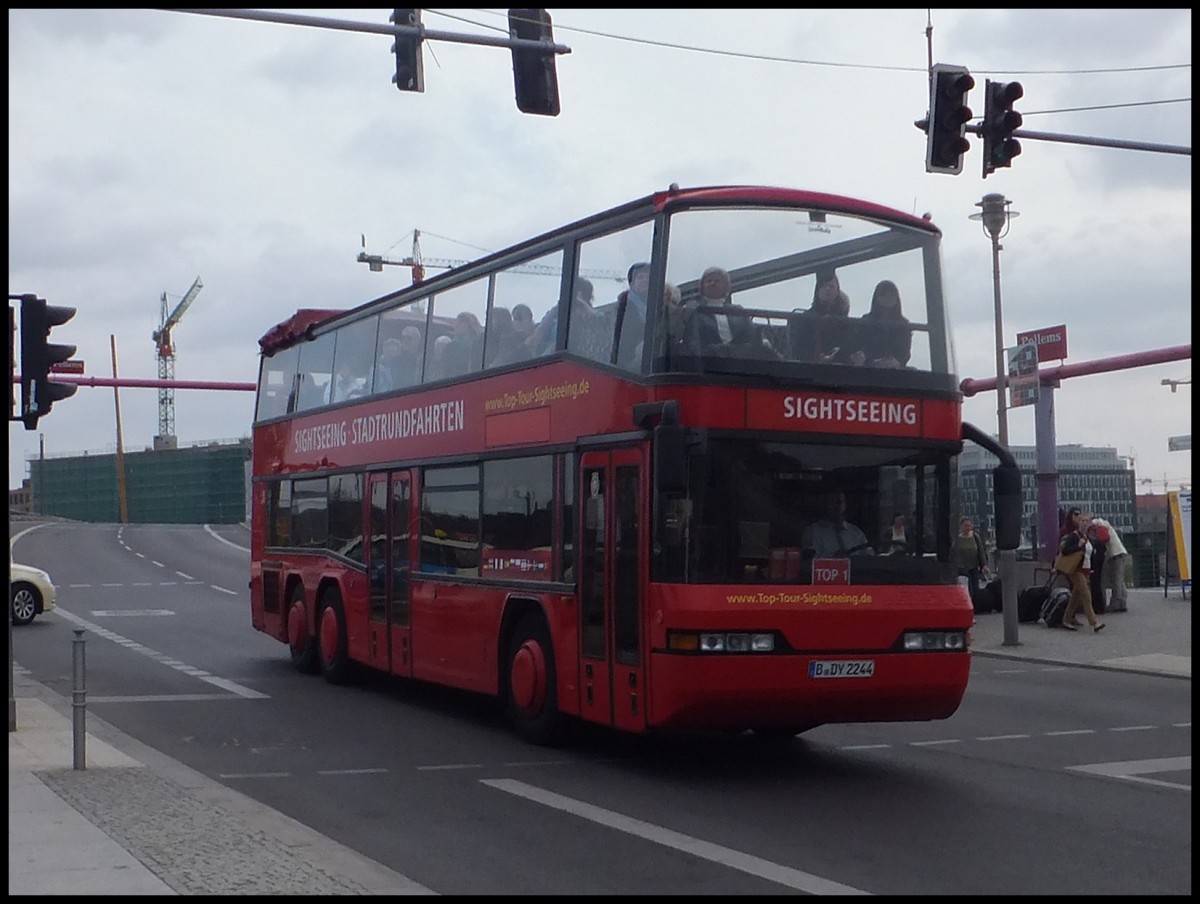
147,148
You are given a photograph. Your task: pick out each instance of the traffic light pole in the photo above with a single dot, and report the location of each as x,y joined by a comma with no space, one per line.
428,34
1094,142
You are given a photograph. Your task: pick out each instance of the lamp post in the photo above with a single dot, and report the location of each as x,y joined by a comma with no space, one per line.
995,214
996,219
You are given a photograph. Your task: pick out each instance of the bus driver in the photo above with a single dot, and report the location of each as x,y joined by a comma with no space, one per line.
833,536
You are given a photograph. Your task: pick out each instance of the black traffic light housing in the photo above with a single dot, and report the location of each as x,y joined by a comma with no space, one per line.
1000,120
410,68
38,356
534,73
945,133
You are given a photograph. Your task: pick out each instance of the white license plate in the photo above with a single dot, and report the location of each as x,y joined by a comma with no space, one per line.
841,668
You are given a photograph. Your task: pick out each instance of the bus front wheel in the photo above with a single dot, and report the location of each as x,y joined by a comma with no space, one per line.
302,640
532,693
331,639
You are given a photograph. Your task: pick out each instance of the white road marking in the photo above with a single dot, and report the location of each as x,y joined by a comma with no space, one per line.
157,698
186,577
1136,770
162,658
746,863
223,590
217,536
349,771
121,613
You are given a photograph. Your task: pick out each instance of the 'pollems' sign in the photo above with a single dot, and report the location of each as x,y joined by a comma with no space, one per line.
1051,341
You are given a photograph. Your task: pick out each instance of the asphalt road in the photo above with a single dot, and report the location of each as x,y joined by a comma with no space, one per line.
1049,780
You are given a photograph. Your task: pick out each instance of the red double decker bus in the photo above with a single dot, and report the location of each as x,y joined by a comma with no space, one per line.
713,493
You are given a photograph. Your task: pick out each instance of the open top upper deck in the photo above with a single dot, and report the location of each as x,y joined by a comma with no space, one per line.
623,289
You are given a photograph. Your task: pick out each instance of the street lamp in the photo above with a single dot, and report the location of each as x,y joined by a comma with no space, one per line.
995,215
996,219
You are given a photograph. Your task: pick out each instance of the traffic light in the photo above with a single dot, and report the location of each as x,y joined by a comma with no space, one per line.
410,69
38,356
534,74
1000,120
945,141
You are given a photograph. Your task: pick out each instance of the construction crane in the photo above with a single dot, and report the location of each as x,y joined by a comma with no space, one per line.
417,264
164,347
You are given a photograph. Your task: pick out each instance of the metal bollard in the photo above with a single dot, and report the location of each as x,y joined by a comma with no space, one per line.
79,699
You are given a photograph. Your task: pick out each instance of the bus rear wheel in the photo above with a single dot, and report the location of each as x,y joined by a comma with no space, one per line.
531,685
332,652
302,640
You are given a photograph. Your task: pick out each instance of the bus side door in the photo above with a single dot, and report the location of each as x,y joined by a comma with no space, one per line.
613,534
389,569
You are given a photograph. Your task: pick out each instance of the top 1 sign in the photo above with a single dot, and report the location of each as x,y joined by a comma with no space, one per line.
1051,341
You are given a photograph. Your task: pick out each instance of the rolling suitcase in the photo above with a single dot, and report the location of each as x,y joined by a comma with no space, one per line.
1055,607
989,598
1031,600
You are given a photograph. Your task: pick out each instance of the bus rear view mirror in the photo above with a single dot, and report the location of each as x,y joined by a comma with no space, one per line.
1006,487
670,458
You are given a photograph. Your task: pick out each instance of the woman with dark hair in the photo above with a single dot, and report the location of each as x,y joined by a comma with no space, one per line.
820,333
884,330
1072,562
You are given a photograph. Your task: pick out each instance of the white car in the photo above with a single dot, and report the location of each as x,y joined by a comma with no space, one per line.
31,592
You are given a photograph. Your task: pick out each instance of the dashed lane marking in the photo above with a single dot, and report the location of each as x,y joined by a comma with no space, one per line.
162,658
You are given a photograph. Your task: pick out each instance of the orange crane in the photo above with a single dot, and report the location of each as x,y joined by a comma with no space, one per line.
417,263
164,348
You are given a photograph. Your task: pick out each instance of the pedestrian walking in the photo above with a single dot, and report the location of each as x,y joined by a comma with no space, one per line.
970,556
1072,563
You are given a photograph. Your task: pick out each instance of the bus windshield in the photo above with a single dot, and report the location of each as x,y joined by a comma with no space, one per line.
761,512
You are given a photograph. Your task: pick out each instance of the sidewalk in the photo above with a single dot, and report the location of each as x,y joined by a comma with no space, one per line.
137,822
1154,636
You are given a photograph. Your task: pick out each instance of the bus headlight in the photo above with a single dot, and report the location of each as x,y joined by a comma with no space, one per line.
720,642
935,640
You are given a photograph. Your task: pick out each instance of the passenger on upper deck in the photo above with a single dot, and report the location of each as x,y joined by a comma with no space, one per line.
399,361
523,320
820,333
545,335
631,314
589,332
348,382
464,354
436,367
715,286
884,332
504,344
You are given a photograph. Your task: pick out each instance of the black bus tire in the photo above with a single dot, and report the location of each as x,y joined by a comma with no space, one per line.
531,684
